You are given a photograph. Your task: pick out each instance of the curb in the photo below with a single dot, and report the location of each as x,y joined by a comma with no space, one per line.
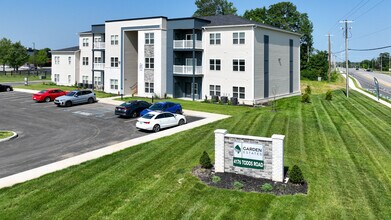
15,135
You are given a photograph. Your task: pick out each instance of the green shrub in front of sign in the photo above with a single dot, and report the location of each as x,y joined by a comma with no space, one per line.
205,161
329,95
216,179
267,187
295,175
238,185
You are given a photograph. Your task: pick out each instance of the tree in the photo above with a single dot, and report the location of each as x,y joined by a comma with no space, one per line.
5,46
284,15
214,7
18,56
317,66
40,57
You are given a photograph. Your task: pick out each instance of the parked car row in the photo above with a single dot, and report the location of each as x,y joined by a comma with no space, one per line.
6,88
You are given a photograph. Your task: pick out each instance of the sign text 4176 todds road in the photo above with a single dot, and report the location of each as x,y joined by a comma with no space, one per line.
248,155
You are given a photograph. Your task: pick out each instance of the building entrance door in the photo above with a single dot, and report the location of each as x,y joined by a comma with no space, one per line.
188,90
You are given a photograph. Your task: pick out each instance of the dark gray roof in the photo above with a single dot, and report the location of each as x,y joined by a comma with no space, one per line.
222,20
68,49
86,32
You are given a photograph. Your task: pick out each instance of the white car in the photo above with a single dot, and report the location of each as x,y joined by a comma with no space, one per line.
154,121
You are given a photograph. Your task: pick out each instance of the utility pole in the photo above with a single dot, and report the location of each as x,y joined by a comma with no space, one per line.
329,53
347,54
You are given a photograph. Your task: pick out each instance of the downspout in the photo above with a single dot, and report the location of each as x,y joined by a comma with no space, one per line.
193,84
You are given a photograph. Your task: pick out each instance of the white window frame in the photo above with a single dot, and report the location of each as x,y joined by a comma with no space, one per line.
85,61
97,80
85,79
69,79
239,38
215,64
56,78
149,87
85,42
149,38
114,39
149,63
214,90
215,38
240,66
239,92
114,62
56,60
114,84
97,59
69,60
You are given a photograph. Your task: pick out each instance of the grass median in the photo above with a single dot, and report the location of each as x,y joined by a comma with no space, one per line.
342,147
5,134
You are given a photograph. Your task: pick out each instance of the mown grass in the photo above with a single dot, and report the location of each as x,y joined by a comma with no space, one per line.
19,78
5,134
320,87
99,94
342,146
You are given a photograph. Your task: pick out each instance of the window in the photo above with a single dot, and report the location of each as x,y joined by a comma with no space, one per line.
238,37
56,60
56,78
85,42
85,61
149,38
97,59
239,92
214,90
97,80
69,60
215,38
114,39
239,65
149,87
215,64
113,83
114,62
85,79
195,88
149,63
69,79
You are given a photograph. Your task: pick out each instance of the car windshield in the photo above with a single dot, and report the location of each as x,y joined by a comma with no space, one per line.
42,91
71,94
148,116
126,104
157,106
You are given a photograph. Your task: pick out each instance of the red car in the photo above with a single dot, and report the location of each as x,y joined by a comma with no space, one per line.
48,95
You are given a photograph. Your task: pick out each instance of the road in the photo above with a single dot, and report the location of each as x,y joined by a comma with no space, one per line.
48,133
367,82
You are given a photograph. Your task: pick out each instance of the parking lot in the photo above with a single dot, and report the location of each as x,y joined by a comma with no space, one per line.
48,133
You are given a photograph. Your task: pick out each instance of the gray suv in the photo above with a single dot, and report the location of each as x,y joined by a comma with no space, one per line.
75,97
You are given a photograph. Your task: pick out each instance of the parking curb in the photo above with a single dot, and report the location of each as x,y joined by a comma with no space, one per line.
15,135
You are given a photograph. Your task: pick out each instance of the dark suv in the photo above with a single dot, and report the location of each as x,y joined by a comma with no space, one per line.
131,109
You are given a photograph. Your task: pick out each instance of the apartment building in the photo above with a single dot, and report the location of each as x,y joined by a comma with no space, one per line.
66,66
223,55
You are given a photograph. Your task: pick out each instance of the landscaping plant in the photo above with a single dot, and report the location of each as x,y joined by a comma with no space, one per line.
216,179
205,161
295,175
329,95
267,187
238,185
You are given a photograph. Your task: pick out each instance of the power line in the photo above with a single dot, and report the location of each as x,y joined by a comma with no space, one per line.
369,10
347,14
370,49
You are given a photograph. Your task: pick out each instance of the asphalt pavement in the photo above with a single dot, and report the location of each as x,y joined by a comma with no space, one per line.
48,133
366,80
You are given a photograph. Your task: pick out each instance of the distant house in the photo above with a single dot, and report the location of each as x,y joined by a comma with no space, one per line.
223,55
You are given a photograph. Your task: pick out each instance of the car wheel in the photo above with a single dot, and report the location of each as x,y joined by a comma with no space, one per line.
90,100
8,89
68,104
181,122
47,99
134,114
156,128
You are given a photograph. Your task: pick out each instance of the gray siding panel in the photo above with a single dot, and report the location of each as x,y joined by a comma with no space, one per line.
290,66
266,66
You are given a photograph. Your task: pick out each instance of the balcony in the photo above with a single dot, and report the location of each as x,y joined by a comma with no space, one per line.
187,44
187,70
99,66
99,45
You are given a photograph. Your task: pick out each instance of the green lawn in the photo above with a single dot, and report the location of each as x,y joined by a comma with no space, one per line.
322,86
99,94
342,146
19,78
5,134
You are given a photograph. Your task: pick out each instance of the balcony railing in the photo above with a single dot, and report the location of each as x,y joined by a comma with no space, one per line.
187,44
99,66
99,45
187,70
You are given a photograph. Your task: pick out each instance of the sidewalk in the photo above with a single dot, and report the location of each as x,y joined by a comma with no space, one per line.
353,86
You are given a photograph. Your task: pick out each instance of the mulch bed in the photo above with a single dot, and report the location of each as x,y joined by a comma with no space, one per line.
250,184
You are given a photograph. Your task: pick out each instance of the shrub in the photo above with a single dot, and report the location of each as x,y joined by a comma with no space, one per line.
267,187
238,185
216,179
205,161
305,98
295,175
329,95
308,90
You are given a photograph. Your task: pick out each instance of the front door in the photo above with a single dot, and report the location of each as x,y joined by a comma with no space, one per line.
188,90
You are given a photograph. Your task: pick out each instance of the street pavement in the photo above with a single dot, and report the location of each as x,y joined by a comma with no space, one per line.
367,82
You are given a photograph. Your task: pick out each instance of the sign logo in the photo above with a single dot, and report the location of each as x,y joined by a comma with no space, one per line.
248,155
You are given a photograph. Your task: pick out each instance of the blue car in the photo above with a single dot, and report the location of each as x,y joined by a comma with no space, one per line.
164,106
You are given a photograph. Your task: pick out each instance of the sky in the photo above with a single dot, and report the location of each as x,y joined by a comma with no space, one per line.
55,24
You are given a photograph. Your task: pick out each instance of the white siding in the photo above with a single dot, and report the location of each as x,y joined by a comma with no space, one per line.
85,70
64,68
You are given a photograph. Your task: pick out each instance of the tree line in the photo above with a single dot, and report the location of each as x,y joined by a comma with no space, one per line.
15,55
283,15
